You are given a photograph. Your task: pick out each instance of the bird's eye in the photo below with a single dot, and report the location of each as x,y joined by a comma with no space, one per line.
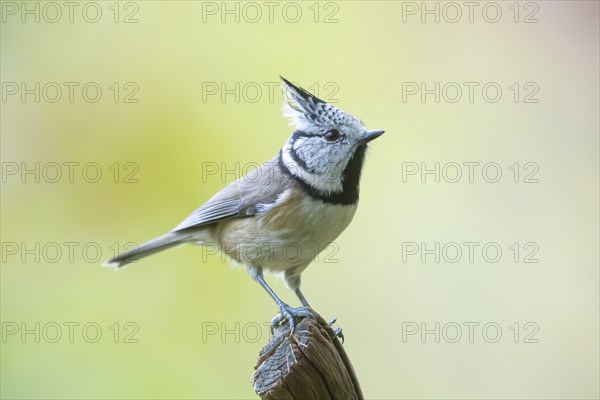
332,135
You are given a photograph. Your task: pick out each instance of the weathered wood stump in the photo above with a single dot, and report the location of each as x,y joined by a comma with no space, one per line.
310,364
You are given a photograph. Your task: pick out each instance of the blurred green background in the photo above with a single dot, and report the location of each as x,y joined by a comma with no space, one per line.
158,125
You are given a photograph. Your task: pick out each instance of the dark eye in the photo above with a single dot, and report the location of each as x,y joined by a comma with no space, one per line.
332,135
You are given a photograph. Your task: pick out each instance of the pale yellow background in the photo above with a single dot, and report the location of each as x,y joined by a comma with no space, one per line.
368,54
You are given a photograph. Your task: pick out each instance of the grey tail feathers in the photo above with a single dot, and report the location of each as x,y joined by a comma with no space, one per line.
161,243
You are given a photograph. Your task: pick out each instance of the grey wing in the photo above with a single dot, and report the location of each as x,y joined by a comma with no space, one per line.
242,198
211,212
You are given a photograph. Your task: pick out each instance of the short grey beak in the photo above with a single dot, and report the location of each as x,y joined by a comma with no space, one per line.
370,135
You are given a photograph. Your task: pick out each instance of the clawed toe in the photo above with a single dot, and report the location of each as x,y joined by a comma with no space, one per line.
337,332
275,322
289,314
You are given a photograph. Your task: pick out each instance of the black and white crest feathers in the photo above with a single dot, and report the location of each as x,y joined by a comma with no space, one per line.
307,112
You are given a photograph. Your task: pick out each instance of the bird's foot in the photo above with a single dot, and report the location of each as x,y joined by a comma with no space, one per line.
289,314
337,332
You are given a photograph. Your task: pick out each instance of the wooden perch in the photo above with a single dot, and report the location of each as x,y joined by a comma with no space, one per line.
311,364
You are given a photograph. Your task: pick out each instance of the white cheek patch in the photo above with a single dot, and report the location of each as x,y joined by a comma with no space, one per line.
318,157
329,182
312,154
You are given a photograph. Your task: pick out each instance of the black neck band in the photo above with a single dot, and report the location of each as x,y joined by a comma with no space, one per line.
350,180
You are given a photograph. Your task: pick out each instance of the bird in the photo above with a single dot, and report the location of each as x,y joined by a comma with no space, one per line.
302,199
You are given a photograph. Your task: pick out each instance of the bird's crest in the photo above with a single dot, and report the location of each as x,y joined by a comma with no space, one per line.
306,111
